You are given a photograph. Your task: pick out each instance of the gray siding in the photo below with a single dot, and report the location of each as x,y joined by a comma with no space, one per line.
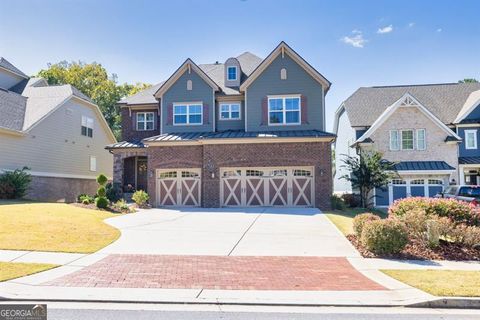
201,92
298,82
224,125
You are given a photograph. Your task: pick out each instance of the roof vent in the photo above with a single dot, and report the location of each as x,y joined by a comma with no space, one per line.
216,62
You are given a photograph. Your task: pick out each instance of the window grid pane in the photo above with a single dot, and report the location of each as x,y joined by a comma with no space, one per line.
284,110
187,114
407,140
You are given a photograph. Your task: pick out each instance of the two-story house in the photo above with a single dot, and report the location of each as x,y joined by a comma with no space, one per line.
56,131
428,131
246,132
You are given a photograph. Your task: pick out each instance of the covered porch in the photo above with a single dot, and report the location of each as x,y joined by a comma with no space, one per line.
131,170
469,170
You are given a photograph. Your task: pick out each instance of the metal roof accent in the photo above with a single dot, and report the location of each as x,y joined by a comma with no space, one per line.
469,160
422,165
125,144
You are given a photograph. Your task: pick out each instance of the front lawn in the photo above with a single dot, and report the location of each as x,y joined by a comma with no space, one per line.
452,283
53,227
12,270
343,220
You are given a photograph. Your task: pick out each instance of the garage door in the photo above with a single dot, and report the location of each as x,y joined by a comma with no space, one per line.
179,187
400,188
289,186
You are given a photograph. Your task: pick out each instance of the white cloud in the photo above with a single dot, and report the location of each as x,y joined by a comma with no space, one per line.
439,30
411,24
355,40
386,29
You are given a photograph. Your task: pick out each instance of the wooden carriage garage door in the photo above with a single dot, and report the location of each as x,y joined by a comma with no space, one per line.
178,187
289,186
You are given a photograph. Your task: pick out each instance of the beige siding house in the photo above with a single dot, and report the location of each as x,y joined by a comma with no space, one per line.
56,131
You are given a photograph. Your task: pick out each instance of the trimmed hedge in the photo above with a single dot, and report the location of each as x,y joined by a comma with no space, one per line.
386,236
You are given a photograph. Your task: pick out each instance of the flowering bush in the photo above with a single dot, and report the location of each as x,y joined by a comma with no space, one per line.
458,211
385,236
360,220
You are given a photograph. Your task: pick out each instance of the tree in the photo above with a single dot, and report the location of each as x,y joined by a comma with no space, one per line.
468,80
368,171
94,81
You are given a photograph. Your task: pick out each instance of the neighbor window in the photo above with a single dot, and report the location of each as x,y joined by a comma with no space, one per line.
229,111
187,114
407,139
87,126
93,163
421,145
232,73
394,140
471,139
283,110
145,121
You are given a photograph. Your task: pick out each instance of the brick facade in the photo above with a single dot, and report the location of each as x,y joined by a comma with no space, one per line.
210,158
129,132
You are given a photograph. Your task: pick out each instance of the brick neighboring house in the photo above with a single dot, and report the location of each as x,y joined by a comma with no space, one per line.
247,132
430,131
56,131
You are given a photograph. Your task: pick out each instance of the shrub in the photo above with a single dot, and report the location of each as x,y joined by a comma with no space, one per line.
471,236
360,220
102,179
458,211
384,236
337,203
140,197
101,191
86,199
352,200
14,184
121,205
416,222
113,191
432,234
101,202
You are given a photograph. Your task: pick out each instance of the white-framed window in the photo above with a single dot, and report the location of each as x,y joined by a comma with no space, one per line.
145,121
93,163
87,127
230,111
283,74
407,139
187,113
189,85
470,139
232,73
283,110
394,140
421,142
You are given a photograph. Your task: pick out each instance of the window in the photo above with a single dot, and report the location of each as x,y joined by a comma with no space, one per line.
230,111
93,163
471,139
283,110
398,181
189,85
232,73
471,192
394,140
87,126
420,139
435,181
283,74
302,173
407,139
169,174
417,181
187,114
145,121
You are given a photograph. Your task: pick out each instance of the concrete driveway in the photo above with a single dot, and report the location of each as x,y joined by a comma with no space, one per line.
229,232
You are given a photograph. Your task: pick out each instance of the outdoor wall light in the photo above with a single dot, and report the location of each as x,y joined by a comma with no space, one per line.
210,168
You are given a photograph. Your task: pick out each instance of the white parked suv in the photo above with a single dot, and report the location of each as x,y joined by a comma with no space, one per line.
462,192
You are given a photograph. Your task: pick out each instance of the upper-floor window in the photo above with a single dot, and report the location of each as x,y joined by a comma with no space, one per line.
145,121
283,110
470,139
407,139
230,111
87,126
232,73
187,114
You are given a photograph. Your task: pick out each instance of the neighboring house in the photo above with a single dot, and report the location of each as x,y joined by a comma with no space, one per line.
429,131
247,132
56,131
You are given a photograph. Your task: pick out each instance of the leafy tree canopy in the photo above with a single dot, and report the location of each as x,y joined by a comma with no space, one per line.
468,80
94,81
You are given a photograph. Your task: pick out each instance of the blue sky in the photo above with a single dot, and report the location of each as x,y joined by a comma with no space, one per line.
352,43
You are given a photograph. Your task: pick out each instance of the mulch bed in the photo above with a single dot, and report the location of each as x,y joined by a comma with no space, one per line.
92,206
417,251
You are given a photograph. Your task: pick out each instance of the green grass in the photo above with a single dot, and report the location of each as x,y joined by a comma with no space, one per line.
451,283
12,270
53,227
343,219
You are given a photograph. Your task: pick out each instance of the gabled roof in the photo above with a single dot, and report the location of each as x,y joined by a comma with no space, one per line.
190,66
145,96
409,101
284,48
443,100
5,64
471,103
12,110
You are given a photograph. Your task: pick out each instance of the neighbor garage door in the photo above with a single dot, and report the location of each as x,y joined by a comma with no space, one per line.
179,187
284,186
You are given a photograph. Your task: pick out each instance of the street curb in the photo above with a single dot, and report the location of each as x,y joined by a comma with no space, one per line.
449,303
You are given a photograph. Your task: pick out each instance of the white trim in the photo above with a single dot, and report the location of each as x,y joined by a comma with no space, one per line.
145,120
390,140
471,104
161,117
94,163
424,139
187,114
236,73
474,131
246,108
230,111
57,175
213,111
14,72
401,103
284,110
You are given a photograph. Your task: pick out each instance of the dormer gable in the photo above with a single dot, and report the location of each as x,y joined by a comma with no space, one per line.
233,73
